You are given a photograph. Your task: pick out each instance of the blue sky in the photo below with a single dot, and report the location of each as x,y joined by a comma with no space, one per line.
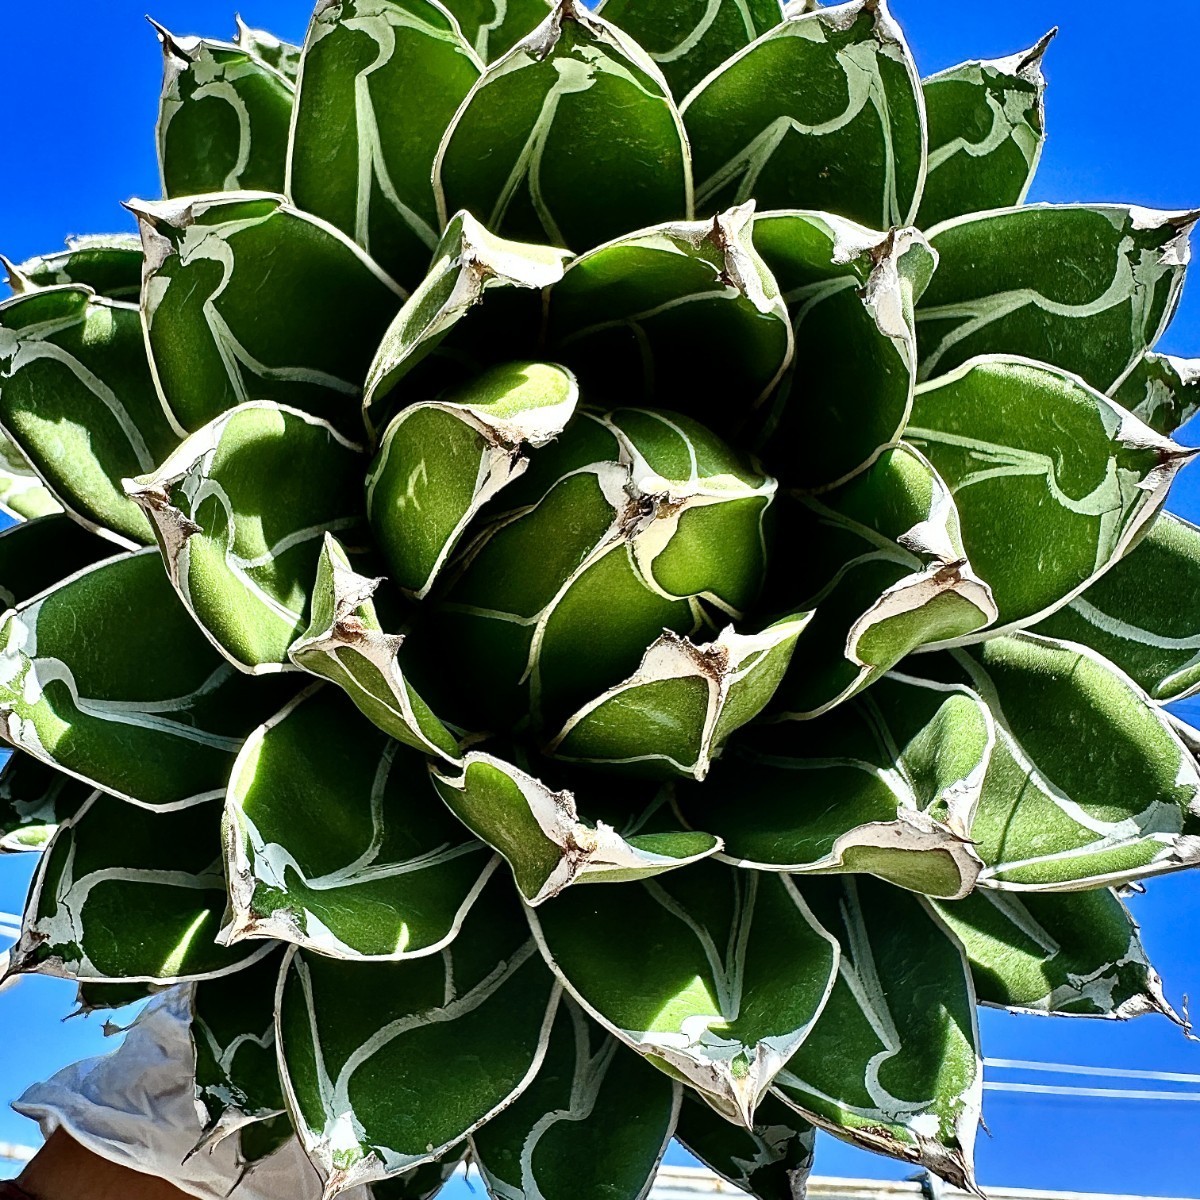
82,84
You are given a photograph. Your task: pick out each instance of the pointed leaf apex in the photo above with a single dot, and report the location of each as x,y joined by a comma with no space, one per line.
17,280
176,47
1031,60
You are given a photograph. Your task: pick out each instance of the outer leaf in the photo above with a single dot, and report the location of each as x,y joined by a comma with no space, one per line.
388,1065
688,970
1133,615
34,801
78,400
223,118
240,510
346,643
1079,954
674,714
823,112
124,894
381,81
23,496
1088,288
571,138
987,128
473,272
542,837
107,678
850,295
887,785
440,462
221,334
887,1067
887,573
264,45
423,1182
771,1161
690,38
594,1123
335,840
1162,391
108,263
494,26
686,314
1076,476
35,555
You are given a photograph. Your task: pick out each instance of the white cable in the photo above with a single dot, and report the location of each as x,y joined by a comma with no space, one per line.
1047,1089
1017,1064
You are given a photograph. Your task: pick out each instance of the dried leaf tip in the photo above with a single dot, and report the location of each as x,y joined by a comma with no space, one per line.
1030,63
17,280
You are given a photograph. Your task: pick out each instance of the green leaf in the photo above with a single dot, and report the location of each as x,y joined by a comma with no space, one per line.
886,572
493,27
423,1182
124,894
229,309
240,510
335,840
822,112
1162,391
689,39
34,800
36,554
346,644
685,315
108,263
1076,477
772,1161
888,785
892,1064
571,138
264,45
77,398
545,842
1134,617
594,1123
381,80
23,496
987,128
1088,288
473,274
1077,954
107,678
223,118
675,713
441,461
715,975
849,294
388,1065
104,997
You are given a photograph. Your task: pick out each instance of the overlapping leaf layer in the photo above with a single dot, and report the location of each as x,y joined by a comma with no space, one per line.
652,447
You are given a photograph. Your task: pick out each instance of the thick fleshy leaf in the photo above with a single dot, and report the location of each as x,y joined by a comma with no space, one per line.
381,81
987,127
1162,391
1075,475
247,298
335,840
126,894
264,45
885,785
493,27
691,38
240,510
345,643
543,839
850,294
474,273
685,316
78,400
441,461
593,1124
1088,288
1077,954
35,555
893,1062
389,1065
674,714
108,263
571,138
107,678
885,570
423,1182
23,496
714,974
1141,615
772,1161
823,112
223,118
34,800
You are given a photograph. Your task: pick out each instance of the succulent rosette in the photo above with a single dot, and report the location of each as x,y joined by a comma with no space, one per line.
594,577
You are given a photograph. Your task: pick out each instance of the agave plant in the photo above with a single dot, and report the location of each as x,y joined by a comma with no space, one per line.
655,449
